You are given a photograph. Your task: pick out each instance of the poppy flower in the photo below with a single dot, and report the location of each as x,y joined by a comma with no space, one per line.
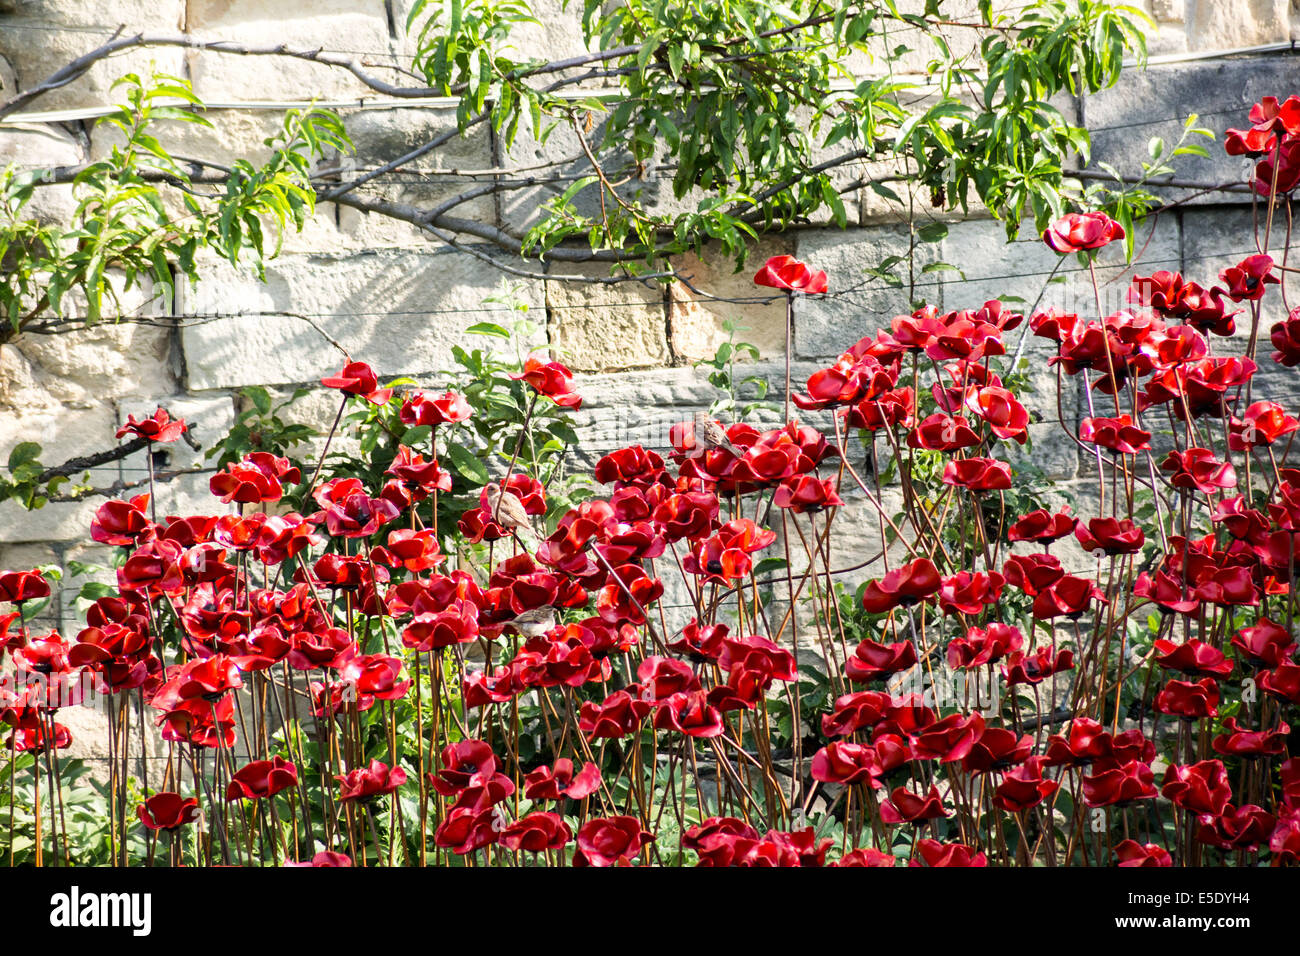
158,427
1282,682
460,764
19,586
357,378
687,515
1193,657
905,586
662,677
853,712
419,476
1110,536
445,409
806,493
1198,468
939,432
259,477
725,555
168,811
969,593
948,740
617,715
1189,700
262,778
1237,741
547,783
1236,828
633,466
873,662
904,806
1132,853
934,853
550,379
1067,596
1117,434
1284,842
610,841
978,474
121,522
326,858
845,763
1024,787
1119,786
1285,336
1262,424
373,780
1166,592
981,646
1247,280
1007,418
1042,525
467,829
1198,788
537,833
791,275
700,643
691,714
866,856
1076,232
1022,668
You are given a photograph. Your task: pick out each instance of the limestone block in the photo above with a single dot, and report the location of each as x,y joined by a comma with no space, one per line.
640,407
234,134
696,319
1228,24
102,362
858,304
355,28
35,48
63,521
433,179
605,327
32,148
399,311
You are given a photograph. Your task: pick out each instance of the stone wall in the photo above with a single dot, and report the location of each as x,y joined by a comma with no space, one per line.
400,303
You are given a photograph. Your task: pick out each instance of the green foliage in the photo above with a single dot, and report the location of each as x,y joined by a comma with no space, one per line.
741,103
126,232
260,428
743,395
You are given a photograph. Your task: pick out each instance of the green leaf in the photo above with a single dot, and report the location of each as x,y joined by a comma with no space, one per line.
467,463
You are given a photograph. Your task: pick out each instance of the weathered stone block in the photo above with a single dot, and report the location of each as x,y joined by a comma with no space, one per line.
1026,268
1230,24
105,361
356,28
858,304
726,295
604,327
431,180
35,48
399,311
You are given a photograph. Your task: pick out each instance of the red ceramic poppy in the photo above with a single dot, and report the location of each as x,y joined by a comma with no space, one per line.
1076,232
787,273
357,378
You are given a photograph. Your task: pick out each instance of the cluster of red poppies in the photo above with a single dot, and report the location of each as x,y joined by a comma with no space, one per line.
574,610
1274,134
